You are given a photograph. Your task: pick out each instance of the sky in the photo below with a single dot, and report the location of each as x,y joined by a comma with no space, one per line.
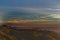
30,3
39,9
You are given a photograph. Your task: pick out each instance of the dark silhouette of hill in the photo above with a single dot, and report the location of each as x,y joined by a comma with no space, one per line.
9,33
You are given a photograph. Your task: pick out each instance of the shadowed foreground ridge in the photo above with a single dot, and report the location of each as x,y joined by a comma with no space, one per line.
8,33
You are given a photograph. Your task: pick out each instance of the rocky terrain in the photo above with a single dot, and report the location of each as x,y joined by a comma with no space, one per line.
10,33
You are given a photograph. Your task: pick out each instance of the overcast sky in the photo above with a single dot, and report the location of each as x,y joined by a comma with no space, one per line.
30,3
50,7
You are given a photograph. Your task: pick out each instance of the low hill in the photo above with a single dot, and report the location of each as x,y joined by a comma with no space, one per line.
9,33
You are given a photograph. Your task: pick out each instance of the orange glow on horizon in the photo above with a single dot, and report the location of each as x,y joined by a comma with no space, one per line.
30,21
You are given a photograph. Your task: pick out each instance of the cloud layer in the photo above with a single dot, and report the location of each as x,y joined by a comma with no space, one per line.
33,14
